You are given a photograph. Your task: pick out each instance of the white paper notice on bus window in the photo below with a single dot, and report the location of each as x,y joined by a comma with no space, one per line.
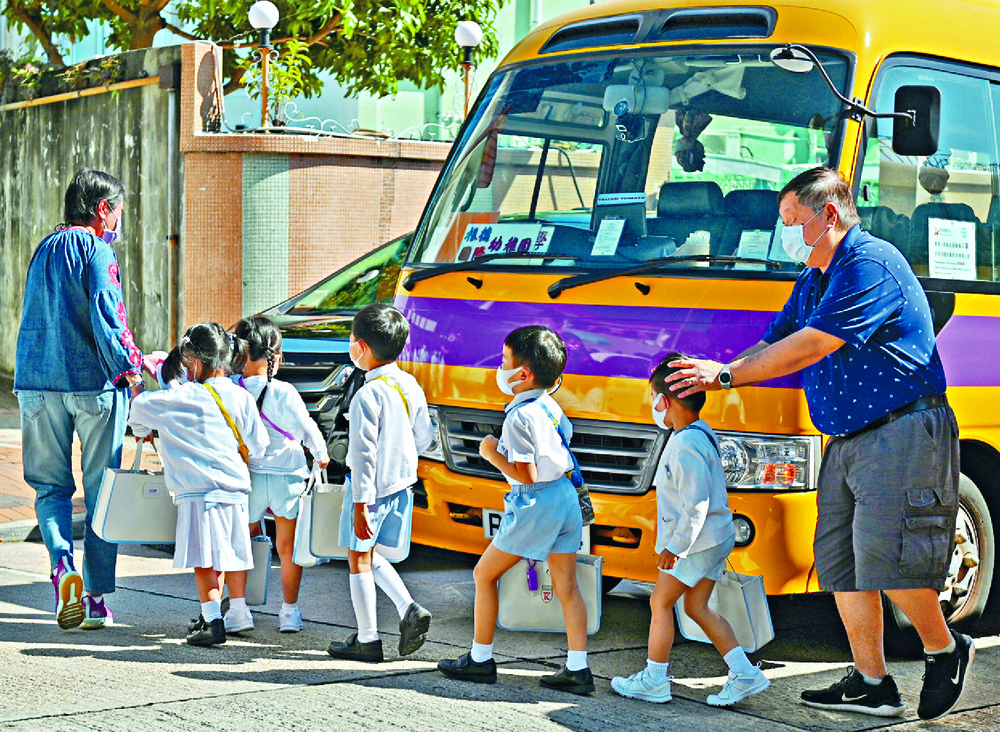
508,238
753,245
951,249
608,234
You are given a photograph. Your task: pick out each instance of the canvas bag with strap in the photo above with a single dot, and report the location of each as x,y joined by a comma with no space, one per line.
244,450
575,475
264,418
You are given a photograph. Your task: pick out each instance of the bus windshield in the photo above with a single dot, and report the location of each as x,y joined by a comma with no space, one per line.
618,160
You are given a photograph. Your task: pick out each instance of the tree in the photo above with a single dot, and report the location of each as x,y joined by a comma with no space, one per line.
367,45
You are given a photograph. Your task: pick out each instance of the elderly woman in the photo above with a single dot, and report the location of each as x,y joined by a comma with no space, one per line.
75,359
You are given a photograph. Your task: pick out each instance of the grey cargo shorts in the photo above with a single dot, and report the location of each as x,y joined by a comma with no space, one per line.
888,501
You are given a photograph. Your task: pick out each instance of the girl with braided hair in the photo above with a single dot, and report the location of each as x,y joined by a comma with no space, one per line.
208,428
278,476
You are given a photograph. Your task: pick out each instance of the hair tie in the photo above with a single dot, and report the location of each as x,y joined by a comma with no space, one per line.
184,341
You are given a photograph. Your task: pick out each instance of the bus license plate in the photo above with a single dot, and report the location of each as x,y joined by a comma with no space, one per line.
492,519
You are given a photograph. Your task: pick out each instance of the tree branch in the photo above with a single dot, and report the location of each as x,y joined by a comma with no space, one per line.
121,11
39,31
180,32
159,5
328,27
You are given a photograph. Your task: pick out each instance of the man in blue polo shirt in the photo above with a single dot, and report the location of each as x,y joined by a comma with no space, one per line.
859,329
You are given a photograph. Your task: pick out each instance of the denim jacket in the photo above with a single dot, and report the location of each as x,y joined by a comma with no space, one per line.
74,334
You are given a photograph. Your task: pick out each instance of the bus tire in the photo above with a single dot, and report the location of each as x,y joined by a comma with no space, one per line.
967,590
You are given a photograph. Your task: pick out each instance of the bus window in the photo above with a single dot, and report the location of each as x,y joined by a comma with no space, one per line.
937,209
621,159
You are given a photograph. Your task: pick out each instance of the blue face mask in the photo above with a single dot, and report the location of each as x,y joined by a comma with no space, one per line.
109,236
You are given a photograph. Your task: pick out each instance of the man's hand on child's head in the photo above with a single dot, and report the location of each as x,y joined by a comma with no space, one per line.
667,560
362,522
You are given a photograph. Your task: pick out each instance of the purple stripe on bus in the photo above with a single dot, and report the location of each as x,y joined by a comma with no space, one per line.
601,340
968,345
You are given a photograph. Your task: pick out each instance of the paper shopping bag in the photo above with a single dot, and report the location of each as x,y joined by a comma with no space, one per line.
740,599
256,589
525,608
134,507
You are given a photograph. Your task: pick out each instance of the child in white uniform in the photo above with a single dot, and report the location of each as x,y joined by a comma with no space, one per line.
278,476
389,428
542,518
694,536
202,464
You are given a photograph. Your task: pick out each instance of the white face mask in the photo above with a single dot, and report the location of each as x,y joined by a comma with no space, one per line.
794,243
350,353
660,418
503,380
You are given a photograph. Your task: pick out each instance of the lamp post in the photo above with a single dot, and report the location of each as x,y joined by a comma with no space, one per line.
263,16
468,35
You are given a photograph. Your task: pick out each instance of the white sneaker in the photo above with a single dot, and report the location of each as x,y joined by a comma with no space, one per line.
289,621
238,620
739,686
641,685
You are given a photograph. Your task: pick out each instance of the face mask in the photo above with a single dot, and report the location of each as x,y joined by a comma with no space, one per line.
660,417
350,352
794,243
110,237
503,380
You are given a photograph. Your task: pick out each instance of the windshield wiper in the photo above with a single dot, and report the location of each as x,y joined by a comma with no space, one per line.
568,283
426,274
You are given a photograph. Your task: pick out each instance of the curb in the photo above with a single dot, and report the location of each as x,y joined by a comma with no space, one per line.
27,530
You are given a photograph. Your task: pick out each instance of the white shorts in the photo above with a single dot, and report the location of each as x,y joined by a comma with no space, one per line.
215,535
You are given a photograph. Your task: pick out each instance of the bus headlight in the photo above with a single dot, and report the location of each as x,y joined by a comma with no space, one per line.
435,451
755,462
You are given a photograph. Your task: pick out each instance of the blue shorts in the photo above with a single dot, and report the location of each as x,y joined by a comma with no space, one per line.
389,521
706,564
541,519
280,493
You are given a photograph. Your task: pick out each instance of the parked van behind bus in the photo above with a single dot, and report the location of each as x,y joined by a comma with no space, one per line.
617,182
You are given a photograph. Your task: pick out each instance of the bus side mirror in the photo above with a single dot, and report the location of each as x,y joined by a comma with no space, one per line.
919,136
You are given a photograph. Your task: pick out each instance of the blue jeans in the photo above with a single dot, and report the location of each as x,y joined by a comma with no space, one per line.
48,420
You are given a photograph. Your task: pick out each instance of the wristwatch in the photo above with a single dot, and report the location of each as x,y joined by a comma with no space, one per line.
726,377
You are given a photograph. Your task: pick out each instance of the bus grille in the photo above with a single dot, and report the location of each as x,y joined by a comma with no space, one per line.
614,457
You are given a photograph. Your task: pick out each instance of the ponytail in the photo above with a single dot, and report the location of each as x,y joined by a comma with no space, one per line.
263,340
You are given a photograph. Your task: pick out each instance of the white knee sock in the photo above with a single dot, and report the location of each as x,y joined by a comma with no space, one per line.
738,662
363,598
391,583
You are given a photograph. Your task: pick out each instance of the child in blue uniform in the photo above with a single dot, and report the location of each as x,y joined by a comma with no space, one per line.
694,535
542,518
389,428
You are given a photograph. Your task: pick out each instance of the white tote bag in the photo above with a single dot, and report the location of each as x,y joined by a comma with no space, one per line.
525,608
256,590
134,507
740,599
303,524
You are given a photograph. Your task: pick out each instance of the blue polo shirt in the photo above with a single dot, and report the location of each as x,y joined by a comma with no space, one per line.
870,298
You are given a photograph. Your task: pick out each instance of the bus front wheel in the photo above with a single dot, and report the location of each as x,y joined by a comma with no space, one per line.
970,574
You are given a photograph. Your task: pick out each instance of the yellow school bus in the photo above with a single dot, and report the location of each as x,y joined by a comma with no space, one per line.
616,181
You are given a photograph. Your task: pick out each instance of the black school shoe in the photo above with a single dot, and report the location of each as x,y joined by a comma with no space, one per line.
354,650
212,633
575,682
853,694
413,629
464,668
944,678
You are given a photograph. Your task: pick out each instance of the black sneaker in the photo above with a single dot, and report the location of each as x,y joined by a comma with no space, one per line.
575,682
944,678
464,668
413,629
198,623
212,633
853,694
354,650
